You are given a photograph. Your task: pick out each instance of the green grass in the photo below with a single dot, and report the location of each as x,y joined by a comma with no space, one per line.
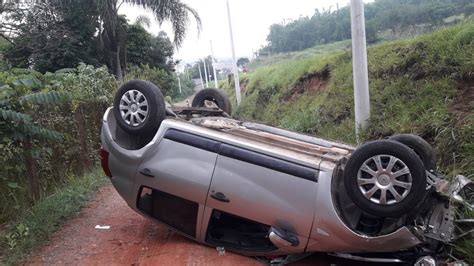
34,226
316,50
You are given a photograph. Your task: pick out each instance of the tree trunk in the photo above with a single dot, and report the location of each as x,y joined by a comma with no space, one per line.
117,63
85,163
31,170
111,38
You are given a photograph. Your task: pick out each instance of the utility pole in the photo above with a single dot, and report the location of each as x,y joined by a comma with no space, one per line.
214,67
209,72
205,73
179,84
234,64
359,66
200,75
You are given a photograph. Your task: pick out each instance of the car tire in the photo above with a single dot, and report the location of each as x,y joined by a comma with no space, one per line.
219,97
385,178
422,148
139,107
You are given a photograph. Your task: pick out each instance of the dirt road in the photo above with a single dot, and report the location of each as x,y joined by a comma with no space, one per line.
131,240
134,240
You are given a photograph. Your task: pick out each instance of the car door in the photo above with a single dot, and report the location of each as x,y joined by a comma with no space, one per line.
257,193
173,181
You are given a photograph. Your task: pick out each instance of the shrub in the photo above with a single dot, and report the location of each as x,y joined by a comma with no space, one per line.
49,128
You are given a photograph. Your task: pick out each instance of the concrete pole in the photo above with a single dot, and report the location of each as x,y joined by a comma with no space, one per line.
200,75
205,73
209,72
214,67
179,84
359,66
234,64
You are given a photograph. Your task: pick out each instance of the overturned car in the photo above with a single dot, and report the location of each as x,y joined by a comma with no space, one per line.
275,194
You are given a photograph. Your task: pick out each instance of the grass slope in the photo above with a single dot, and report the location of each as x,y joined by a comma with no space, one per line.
422,85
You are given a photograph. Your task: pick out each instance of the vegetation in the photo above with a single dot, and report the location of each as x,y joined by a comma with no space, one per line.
55,83
242,61
49,125
384,18
168,84
61,61
194,69
33,227
56,60
55,34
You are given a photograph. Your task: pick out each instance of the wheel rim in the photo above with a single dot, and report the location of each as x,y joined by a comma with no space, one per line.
133,108
209,102
384,179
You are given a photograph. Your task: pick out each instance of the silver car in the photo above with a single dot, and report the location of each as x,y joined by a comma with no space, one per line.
275,194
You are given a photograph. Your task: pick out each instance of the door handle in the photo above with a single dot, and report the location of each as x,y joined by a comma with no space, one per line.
220,197
146,172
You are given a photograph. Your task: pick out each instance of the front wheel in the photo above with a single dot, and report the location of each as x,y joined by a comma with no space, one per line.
385,178
216,96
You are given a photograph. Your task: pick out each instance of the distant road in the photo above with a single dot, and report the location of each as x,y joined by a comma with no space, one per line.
189,100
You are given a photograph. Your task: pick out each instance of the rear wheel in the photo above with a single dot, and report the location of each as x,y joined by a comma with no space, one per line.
139,107
385,178
422,148
216,96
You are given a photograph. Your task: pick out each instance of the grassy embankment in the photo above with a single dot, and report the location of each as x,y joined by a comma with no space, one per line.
34,226
422,85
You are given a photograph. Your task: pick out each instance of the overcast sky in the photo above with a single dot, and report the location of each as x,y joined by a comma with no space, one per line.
251,20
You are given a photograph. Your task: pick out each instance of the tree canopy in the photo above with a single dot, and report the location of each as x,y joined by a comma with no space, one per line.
333,24
55,34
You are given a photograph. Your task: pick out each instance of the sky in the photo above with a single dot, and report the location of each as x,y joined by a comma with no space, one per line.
251,20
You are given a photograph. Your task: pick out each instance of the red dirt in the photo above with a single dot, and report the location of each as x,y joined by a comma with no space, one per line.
131,240
134,240
311,83
464,102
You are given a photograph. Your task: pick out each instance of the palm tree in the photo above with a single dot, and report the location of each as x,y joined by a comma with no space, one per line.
112,33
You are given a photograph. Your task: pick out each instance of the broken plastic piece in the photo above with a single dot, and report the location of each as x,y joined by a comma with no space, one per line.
102,227
220,251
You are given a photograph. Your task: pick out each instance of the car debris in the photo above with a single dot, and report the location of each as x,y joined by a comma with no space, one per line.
102,227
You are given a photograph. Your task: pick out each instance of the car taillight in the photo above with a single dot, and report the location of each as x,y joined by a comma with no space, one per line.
104,161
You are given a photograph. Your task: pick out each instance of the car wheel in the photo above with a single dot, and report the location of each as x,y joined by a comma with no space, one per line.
422,148
385,178
139,107
219,97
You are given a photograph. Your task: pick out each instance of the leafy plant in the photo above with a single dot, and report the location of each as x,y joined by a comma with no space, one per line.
49,125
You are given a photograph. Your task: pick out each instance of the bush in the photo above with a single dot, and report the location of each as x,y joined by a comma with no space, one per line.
167,82
49,129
